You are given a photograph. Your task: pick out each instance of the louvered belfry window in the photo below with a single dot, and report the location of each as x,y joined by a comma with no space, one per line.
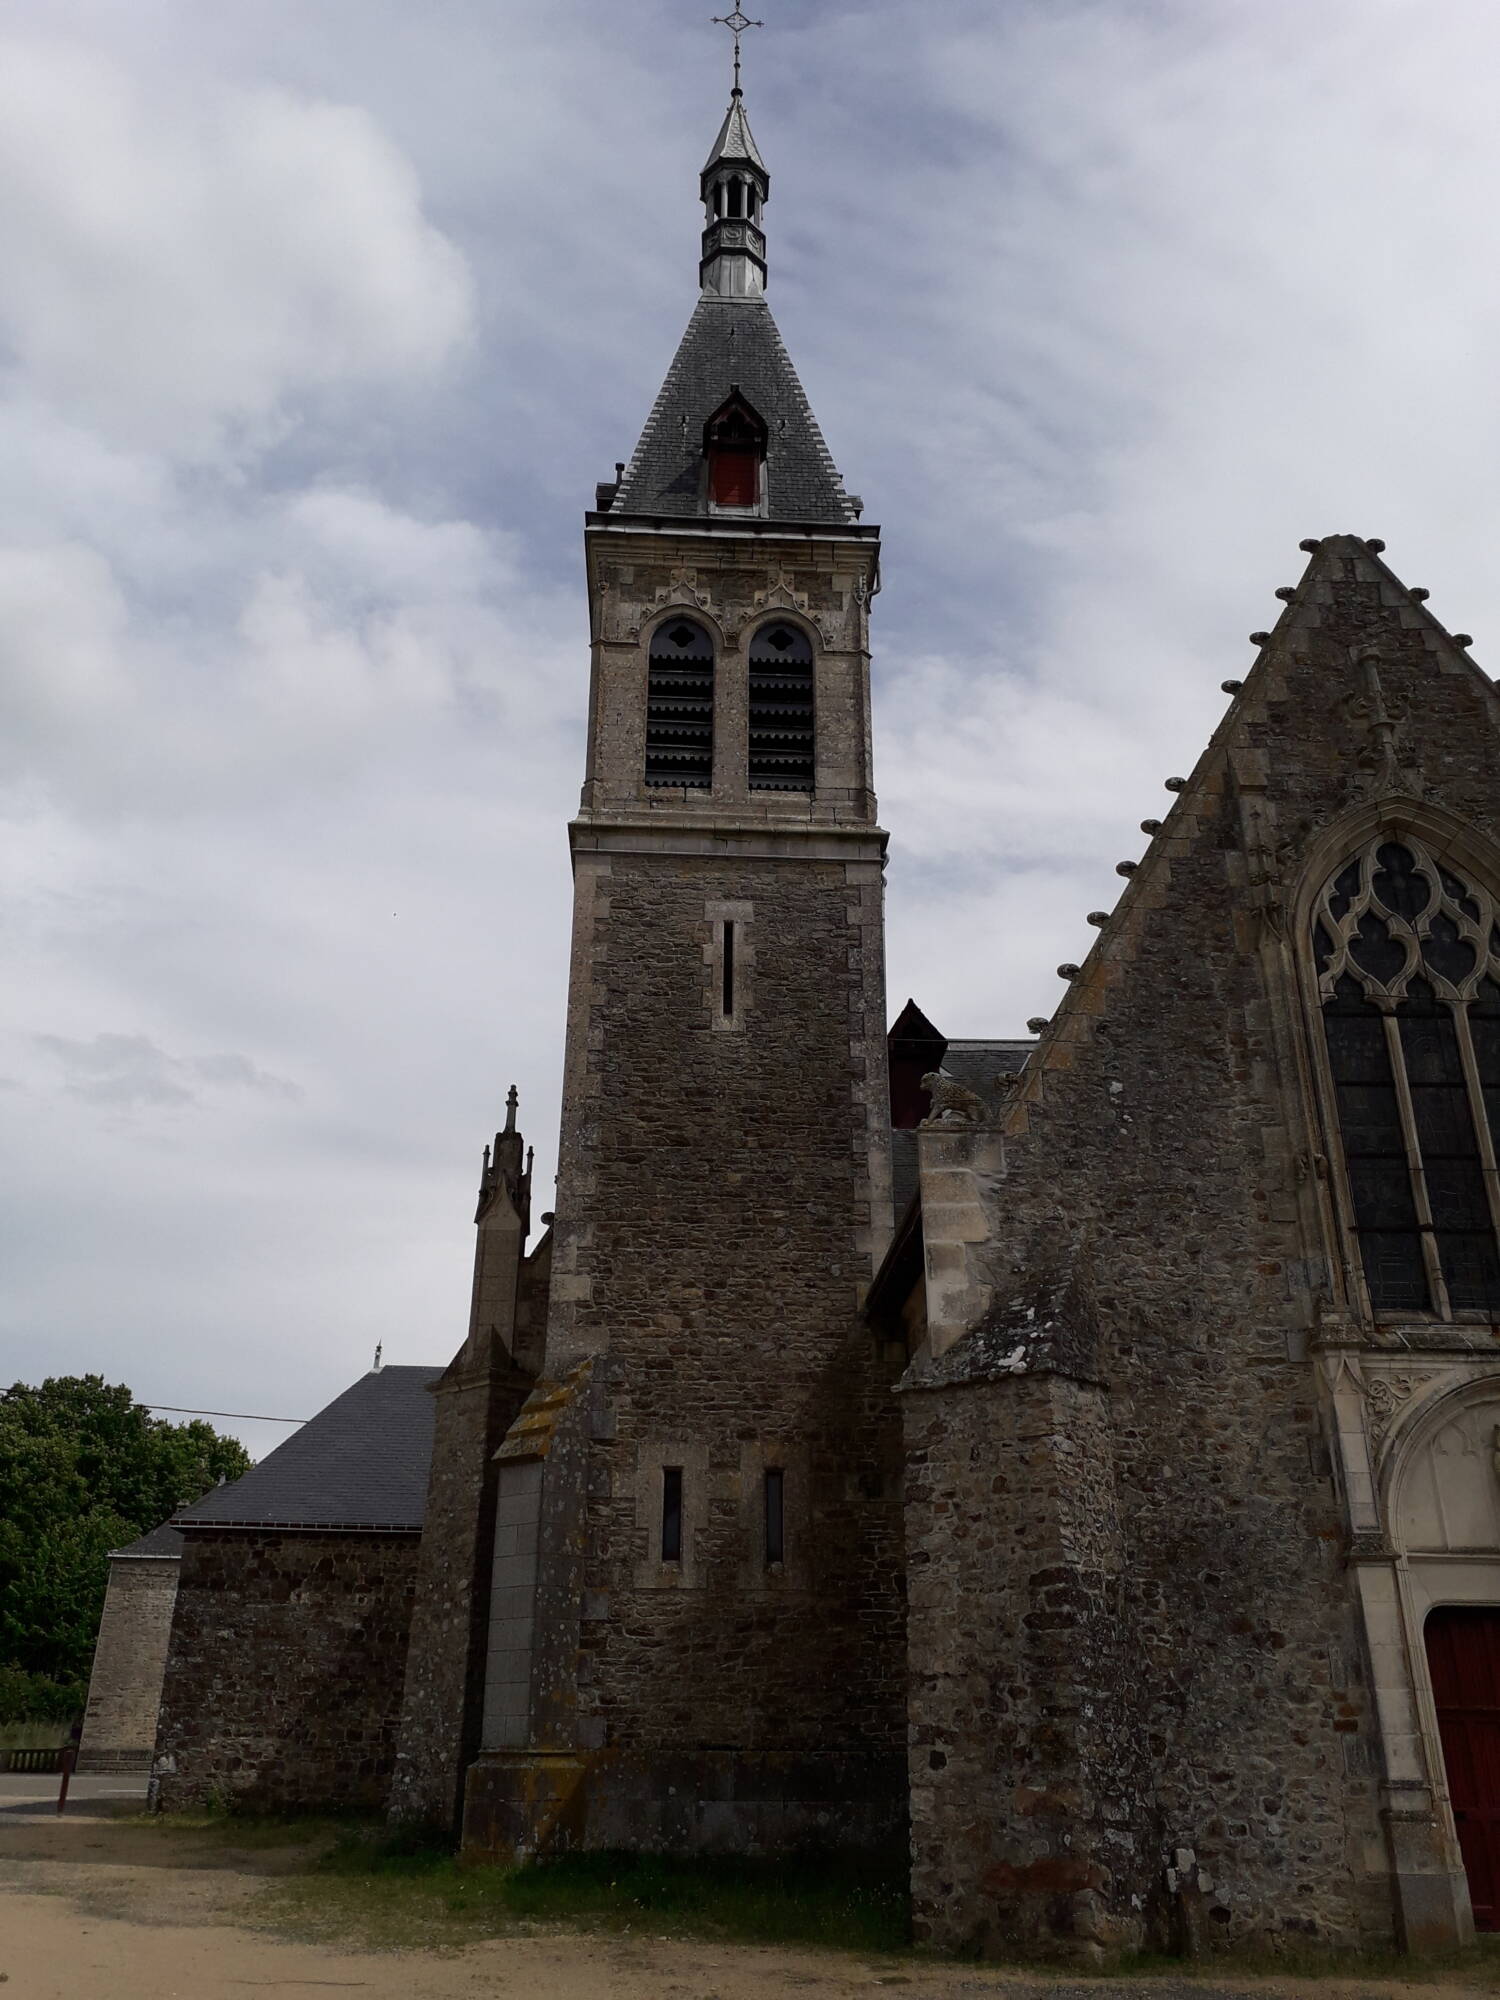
782,746
1408,959
680,707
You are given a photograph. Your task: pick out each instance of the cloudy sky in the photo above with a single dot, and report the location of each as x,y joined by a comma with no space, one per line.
318,321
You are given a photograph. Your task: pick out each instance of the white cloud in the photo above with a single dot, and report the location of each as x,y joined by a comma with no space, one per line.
131,1070
172,268
316,325
61,621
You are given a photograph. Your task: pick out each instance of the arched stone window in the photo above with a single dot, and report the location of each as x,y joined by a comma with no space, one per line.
783,751
680,706
1408,960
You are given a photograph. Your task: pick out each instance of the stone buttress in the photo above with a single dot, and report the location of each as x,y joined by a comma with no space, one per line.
696,1631
478,1397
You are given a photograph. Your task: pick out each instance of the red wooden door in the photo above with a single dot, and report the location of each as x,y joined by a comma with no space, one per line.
1463,1654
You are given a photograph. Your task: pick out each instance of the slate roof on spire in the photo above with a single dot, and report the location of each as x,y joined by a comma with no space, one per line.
733,343
735,141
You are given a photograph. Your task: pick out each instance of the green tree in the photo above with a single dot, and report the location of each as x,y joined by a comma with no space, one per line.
83,1469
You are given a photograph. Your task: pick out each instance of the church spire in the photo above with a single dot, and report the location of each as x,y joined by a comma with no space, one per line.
731,434
735,187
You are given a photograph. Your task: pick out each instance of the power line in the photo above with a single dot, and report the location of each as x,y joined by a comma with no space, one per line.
241,1416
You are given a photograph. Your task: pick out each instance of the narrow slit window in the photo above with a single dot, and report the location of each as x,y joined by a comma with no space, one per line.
680,707
783,752
775,1514
726,991
1408,957
671,1513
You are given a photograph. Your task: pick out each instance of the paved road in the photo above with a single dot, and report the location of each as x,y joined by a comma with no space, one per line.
36,1791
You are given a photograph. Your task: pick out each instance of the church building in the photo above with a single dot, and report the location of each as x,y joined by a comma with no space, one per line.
1077,1454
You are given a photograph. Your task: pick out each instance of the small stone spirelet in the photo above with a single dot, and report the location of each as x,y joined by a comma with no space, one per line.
1175,784
1126,867
1260,638
1150,826
1038,1024
1098,917
1069,971
1463,638
1375,545
1287,592
1311,543
1231,687
1419,593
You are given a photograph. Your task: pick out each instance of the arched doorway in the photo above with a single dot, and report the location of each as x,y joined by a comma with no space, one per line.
1463,1659
1443,1495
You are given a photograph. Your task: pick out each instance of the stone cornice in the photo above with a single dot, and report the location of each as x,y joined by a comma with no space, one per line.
751,841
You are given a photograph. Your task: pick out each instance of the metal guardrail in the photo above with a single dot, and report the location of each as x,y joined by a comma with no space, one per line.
34,1760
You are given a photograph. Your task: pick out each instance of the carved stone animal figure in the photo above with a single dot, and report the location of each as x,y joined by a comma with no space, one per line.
952,1103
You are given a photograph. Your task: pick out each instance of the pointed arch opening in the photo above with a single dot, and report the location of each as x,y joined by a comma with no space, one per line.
783,733
1407,955
680,706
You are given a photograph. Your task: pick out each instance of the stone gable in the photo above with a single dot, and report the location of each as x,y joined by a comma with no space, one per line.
1135,1632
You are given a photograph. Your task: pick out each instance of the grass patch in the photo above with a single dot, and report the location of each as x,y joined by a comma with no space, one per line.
1475,1970
402,1891
212,1827
33,1735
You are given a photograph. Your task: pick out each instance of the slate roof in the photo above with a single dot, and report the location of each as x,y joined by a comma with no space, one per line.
978,1066
735,141
733,343
904,1170
164,1543
361,1463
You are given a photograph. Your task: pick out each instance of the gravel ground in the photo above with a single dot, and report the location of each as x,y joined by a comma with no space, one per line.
97,1907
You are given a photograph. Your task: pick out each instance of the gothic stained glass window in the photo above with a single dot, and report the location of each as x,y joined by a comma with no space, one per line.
680,707
1408,959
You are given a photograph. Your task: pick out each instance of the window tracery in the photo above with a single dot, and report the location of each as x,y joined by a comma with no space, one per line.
1408,962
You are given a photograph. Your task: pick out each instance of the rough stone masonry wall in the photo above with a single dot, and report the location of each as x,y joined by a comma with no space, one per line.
1035,1746
1164,1158
130,1659
726,1200
716,1191
283,1684
724,1188
444,1690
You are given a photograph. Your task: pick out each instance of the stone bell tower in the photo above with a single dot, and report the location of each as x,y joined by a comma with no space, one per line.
697,1634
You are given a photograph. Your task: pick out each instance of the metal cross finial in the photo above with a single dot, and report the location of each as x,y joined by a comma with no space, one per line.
737,23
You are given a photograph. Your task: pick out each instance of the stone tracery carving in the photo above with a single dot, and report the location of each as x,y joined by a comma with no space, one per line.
784,595
1381,713
1432,920
1386,1396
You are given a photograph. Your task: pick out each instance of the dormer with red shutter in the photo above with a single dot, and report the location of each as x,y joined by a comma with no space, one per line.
734,451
